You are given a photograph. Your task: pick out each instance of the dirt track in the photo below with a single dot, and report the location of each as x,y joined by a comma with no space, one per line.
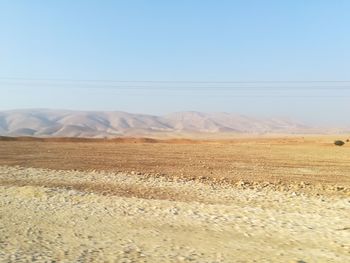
44,219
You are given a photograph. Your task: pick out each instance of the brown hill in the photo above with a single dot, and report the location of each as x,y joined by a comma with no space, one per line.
92,124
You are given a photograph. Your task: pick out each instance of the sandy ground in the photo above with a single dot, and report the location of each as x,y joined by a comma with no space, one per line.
71,216
313,160
284,199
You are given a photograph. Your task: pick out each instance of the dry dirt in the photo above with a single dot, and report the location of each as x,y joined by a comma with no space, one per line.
44,218
243,200
313,160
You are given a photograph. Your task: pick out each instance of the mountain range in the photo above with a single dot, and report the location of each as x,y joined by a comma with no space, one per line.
67,123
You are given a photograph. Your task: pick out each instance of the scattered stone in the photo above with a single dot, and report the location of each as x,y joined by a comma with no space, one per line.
208,226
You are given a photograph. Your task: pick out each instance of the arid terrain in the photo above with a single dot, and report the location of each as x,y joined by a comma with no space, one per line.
316,161
277,199
100,124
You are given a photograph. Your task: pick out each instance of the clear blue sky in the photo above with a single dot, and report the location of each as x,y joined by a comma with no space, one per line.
182,40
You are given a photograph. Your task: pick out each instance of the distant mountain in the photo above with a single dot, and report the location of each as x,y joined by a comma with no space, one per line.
65,123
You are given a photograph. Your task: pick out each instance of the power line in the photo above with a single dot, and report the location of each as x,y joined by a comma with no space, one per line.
180,86
194,88
175,81
275,88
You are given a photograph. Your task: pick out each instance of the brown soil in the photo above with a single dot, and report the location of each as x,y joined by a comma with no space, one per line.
174,200
282,161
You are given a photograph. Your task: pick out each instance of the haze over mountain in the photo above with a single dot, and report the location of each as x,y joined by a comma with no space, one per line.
67,123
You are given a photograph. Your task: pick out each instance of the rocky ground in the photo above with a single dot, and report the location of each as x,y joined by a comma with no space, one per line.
71,216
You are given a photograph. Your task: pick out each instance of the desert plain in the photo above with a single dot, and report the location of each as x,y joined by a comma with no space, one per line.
238,199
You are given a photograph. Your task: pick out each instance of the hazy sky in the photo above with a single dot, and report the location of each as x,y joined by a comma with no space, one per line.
50,50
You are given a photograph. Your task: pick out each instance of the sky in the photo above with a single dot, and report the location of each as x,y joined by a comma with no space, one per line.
270,58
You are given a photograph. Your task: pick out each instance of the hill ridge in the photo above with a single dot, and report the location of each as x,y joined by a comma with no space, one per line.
70,123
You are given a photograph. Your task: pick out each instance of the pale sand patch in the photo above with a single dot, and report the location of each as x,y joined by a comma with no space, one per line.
177,222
